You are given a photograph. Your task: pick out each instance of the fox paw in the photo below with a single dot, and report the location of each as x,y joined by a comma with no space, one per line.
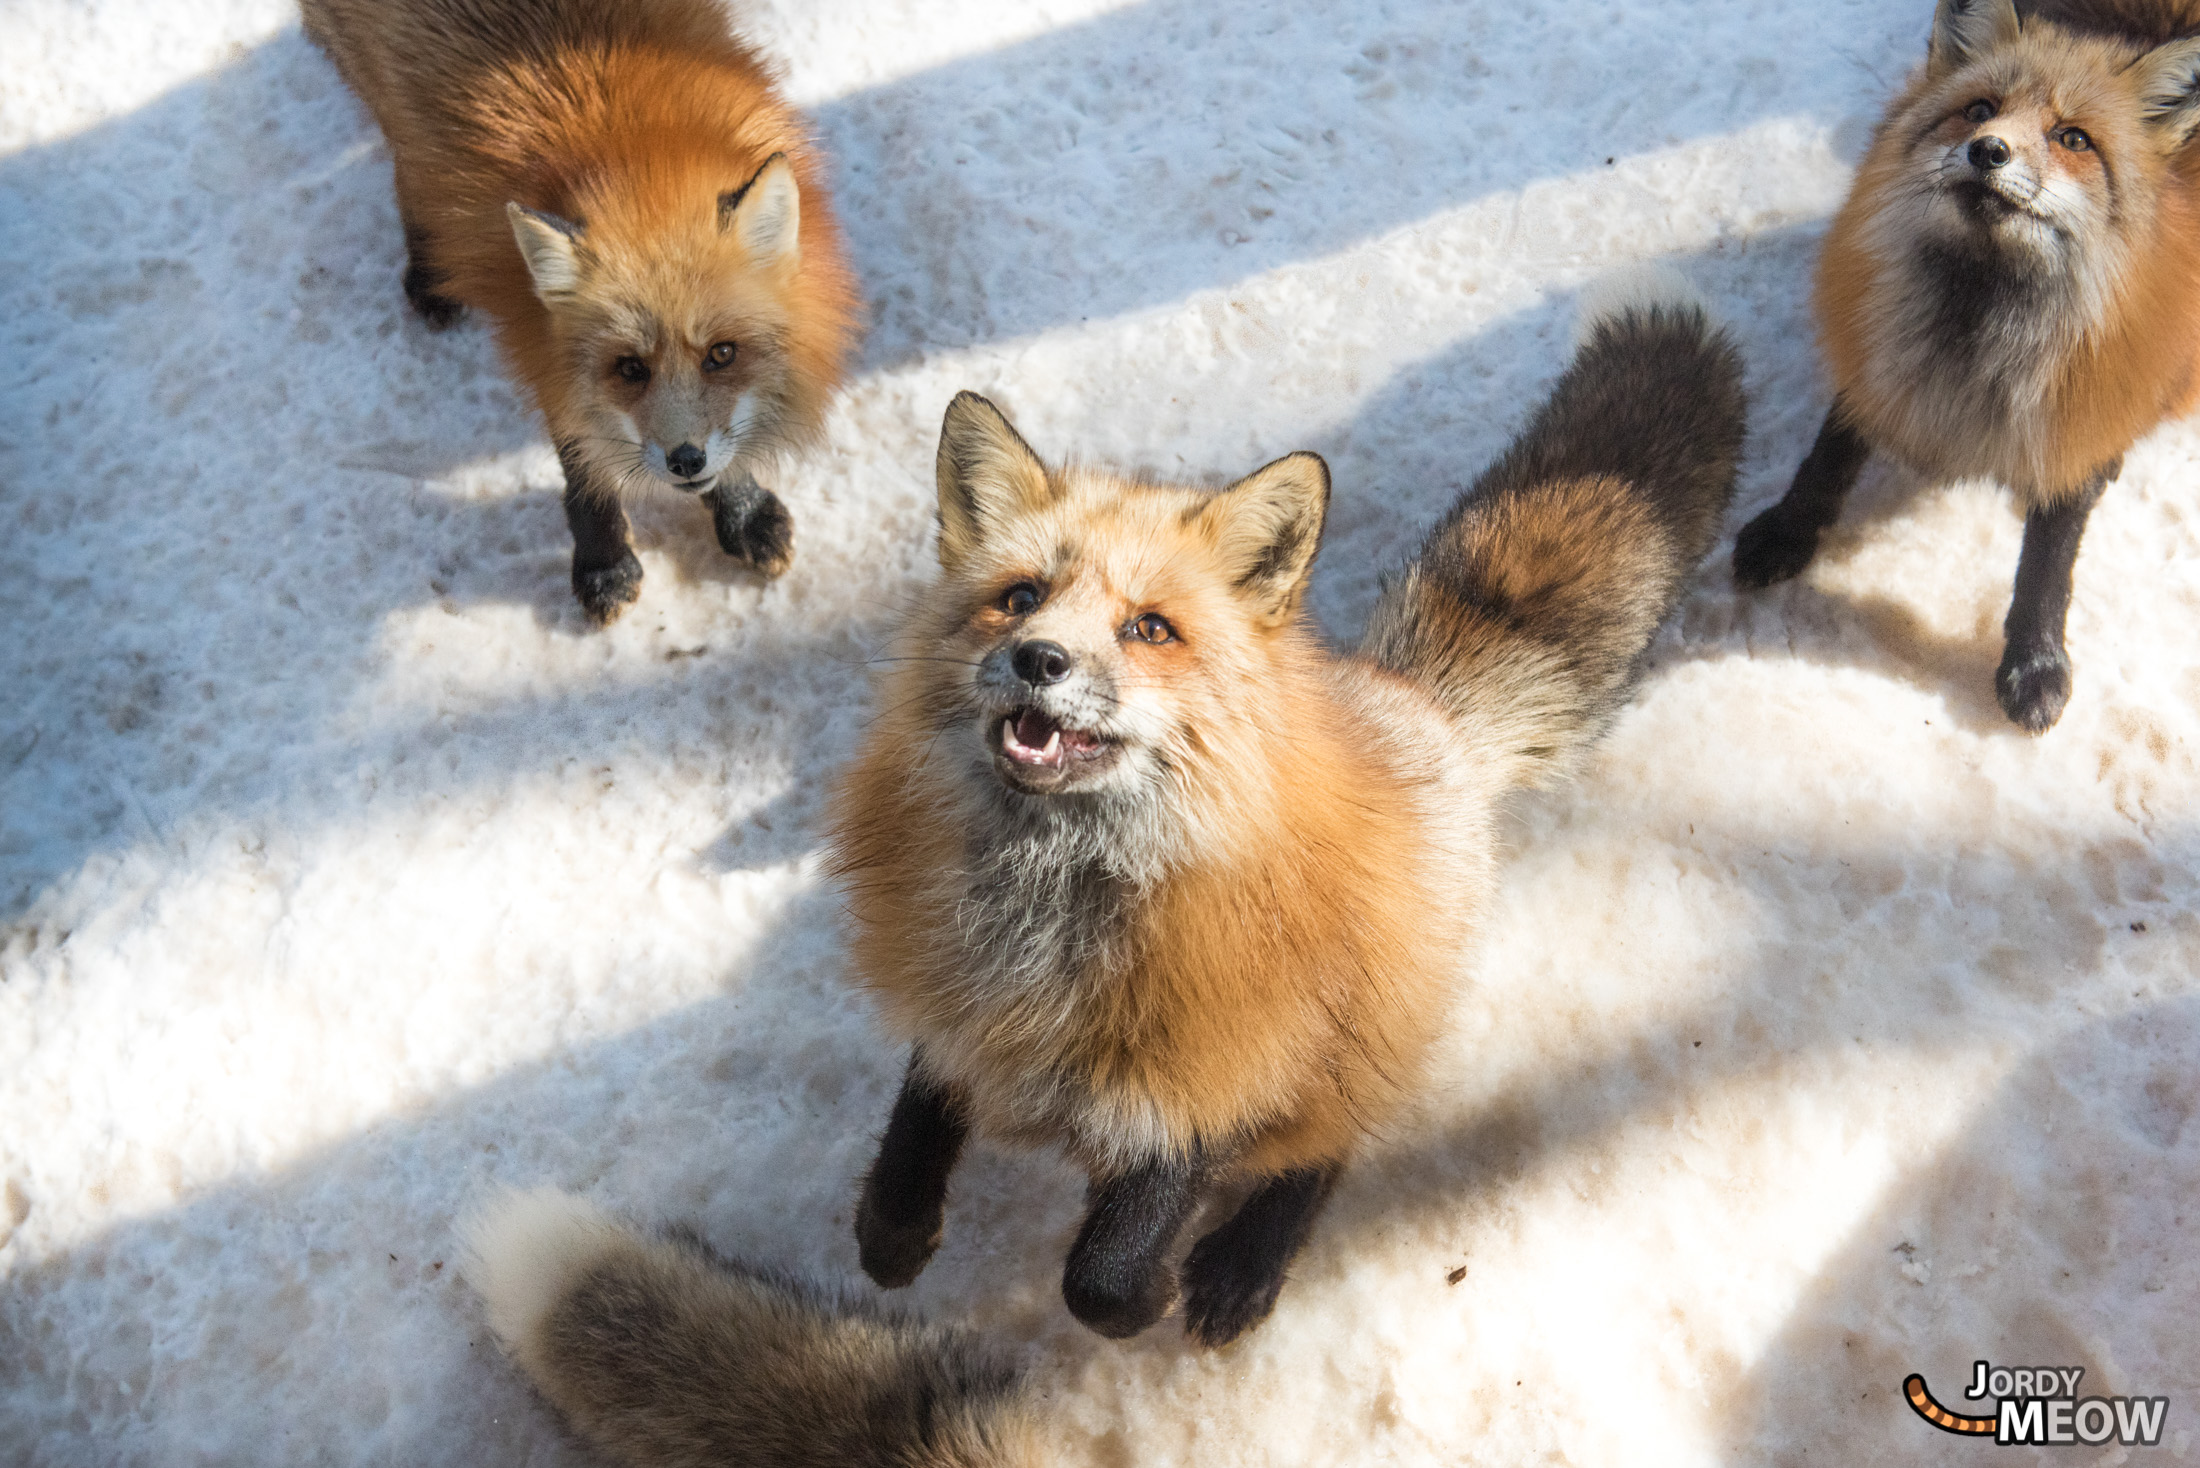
439,311
753,526
1772,548
1227,1290
606,591
2033,685
1116,1309
895,1254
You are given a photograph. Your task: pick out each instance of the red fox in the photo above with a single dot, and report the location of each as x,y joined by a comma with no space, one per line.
1145,874
616,184
2012,290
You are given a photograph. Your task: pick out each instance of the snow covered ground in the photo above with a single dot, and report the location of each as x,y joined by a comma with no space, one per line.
1828,1029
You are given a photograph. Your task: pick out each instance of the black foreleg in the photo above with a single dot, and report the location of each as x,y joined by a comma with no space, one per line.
606,575
903,1210
753,525
1780,542
1117,1279
424,281
1232,1276
2033,682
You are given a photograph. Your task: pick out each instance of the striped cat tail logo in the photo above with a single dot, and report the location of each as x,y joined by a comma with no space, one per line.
1921,1400
2039,1406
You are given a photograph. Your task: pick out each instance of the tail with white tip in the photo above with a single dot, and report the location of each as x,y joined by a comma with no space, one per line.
662,1354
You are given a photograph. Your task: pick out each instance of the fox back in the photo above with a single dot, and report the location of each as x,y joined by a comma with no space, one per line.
616,184
2013,287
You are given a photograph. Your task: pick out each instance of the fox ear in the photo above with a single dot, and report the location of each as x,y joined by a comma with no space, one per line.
765,214
1267,526
987,476
2169,87
550,246
1964,30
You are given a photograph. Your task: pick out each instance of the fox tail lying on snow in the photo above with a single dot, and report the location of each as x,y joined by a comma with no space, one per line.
663,1354
1529,608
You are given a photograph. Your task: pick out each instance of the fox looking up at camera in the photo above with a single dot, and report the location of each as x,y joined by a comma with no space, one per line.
1147,874
2012,290
617,185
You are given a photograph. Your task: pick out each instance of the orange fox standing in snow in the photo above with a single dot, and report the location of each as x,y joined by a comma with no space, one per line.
617,185
1146,874
2012,290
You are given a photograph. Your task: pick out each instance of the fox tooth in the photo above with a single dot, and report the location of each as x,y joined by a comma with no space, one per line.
1008,731
1054,746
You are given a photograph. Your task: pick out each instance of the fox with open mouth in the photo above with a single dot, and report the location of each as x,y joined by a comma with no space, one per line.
1146,873
2012,291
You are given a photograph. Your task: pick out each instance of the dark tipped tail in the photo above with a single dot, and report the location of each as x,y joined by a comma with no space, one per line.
1529,608
663,1355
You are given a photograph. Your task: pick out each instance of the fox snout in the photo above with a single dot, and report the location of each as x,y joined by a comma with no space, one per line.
686,461
1041,664
1988,153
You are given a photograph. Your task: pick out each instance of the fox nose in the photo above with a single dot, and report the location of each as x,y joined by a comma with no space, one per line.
1040,663
1988,153
685,461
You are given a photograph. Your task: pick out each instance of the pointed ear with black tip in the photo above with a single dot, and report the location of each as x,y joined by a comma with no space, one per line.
1266,528
987,477
2169,89
765,214
1965,30
551,248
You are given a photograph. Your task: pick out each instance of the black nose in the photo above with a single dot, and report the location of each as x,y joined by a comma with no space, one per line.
686,460
1040,663
1988,152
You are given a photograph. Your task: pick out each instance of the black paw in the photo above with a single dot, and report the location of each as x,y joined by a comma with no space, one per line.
2033,684
1227,1289
439,311
753,526
1772,548
895,1254
1115,1308
606,591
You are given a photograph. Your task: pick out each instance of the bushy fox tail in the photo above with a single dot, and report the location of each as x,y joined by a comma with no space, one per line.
1529,608
662,1354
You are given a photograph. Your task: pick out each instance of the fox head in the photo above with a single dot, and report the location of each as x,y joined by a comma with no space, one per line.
671,325
1094,636
2040,147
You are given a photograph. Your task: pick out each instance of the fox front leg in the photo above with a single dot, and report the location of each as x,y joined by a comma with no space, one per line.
1779,543
1117,1279
606,575
1232,1276
753,526
903,1210
2033,681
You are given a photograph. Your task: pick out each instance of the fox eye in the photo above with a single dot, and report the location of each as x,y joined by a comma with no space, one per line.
1980,111
2074,138
719,355
631,369
1020,600
1153,627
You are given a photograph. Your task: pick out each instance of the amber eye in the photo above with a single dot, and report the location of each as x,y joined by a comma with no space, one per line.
1981,110
719,355
1153,627
631,369
2075,139
1020,600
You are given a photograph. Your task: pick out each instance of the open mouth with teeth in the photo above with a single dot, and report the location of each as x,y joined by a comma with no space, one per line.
1038,750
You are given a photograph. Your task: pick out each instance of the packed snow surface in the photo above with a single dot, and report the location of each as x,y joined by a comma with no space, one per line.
1827,1028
